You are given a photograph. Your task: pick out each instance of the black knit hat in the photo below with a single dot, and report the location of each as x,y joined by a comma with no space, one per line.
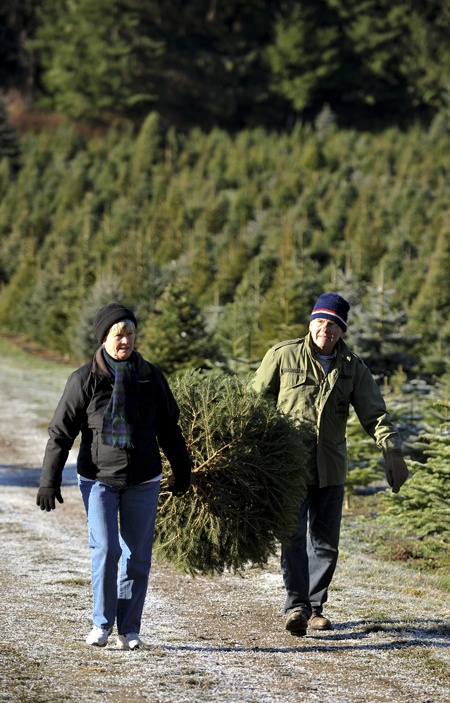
107,316
331,306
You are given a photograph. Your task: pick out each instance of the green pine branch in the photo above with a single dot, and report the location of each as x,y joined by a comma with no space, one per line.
246,482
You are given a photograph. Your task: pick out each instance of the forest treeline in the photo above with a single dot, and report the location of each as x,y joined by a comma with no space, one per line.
228,64
222,242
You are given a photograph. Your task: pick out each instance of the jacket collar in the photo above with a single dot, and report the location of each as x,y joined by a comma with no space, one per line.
342,351
100,367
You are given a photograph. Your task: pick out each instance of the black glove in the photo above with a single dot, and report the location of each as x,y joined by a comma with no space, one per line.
178,489
45,498
396,469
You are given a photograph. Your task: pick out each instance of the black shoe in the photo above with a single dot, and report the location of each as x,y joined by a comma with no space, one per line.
297,623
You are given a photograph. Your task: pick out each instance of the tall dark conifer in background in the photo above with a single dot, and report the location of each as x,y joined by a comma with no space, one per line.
194,63
9,143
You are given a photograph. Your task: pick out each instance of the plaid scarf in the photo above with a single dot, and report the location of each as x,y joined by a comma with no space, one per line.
122,410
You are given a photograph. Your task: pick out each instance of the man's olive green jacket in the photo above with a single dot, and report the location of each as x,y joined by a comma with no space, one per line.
290,374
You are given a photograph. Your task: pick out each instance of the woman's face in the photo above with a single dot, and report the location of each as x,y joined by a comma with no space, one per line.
119,345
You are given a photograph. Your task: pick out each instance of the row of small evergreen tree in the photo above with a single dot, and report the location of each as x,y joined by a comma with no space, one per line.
424,504
222,243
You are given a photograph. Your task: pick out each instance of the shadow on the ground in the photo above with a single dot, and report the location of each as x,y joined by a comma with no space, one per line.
28,477
414,633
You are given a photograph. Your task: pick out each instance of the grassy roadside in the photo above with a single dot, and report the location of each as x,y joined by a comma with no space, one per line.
24,354
31,386
383,537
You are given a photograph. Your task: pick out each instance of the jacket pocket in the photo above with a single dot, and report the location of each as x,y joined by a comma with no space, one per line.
297,395
105,457
343,390
290,378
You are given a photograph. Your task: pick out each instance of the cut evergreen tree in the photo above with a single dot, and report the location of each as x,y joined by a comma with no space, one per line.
247,483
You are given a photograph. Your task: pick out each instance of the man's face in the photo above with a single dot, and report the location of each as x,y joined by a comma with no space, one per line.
324,335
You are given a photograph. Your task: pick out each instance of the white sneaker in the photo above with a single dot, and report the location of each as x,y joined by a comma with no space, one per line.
130,641
98,636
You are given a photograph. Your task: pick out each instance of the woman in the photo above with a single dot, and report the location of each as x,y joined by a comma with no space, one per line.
124,409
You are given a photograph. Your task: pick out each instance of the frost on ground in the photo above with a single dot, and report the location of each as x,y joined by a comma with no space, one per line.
219,639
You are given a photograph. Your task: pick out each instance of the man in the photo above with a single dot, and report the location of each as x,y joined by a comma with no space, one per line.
315,380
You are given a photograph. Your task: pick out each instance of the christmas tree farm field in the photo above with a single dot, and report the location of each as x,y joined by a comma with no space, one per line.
246,478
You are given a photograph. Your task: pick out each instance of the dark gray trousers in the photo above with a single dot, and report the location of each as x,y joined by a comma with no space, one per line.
308,561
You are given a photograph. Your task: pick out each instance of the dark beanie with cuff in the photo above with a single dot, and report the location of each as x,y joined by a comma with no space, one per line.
331,306
107,316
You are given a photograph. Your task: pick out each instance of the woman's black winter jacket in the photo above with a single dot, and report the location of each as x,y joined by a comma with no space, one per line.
80,410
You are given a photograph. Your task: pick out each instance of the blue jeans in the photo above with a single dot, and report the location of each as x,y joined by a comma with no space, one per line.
121,523
308,561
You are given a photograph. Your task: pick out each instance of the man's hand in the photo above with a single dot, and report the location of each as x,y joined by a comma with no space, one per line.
178,489
396,469
45,498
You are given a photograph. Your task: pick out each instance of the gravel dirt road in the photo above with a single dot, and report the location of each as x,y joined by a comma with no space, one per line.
219,639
